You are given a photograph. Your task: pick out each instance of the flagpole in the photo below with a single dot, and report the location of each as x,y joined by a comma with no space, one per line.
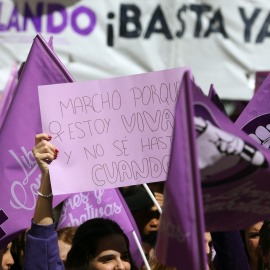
153,198
141,250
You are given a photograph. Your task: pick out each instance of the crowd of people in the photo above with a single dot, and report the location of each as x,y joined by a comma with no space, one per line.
101,244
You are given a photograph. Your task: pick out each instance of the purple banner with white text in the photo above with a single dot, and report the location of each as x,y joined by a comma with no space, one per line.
20,176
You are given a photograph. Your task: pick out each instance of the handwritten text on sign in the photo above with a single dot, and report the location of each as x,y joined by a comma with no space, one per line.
111,133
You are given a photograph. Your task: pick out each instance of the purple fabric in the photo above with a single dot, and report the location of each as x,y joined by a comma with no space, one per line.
42,250
213,96
256,113
181,233
260,78
133,246
234,170
20,176
107,203
230,251
8,93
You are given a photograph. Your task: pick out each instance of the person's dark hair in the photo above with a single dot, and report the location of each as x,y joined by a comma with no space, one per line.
265,237
264,242
86,240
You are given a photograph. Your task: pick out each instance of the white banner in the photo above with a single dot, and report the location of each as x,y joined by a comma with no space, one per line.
224,42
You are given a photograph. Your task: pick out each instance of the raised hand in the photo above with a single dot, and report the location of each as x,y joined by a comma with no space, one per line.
44,152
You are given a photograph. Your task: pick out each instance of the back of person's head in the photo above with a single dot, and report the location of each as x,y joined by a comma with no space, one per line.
86,240
265,237
65,238
155,264
66,234
264,242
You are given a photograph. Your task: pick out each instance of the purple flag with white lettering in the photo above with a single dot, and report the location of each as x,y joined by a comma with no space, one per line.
105,203
181,233
8,93
20,176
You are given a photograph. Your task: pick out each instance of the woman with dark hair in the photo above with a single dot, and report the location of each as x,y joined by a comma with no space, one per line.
98,243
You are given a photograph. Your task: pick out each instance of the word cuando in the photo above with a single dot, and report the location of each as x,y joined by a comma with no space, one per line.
123,170
53,25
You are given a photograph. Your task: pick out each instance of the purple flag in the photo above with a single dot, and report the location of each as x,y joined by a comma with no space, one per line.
181,233
108,203
260,78
234,170
20,176
8,93
256,114
215,98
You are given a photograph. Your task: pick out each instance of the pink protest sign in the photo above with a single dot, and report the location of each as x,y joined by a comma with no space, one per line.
111,133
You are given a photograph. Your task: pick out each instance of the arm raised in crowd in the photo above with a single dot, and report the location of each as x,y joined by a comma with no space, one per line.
42,250
44,152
